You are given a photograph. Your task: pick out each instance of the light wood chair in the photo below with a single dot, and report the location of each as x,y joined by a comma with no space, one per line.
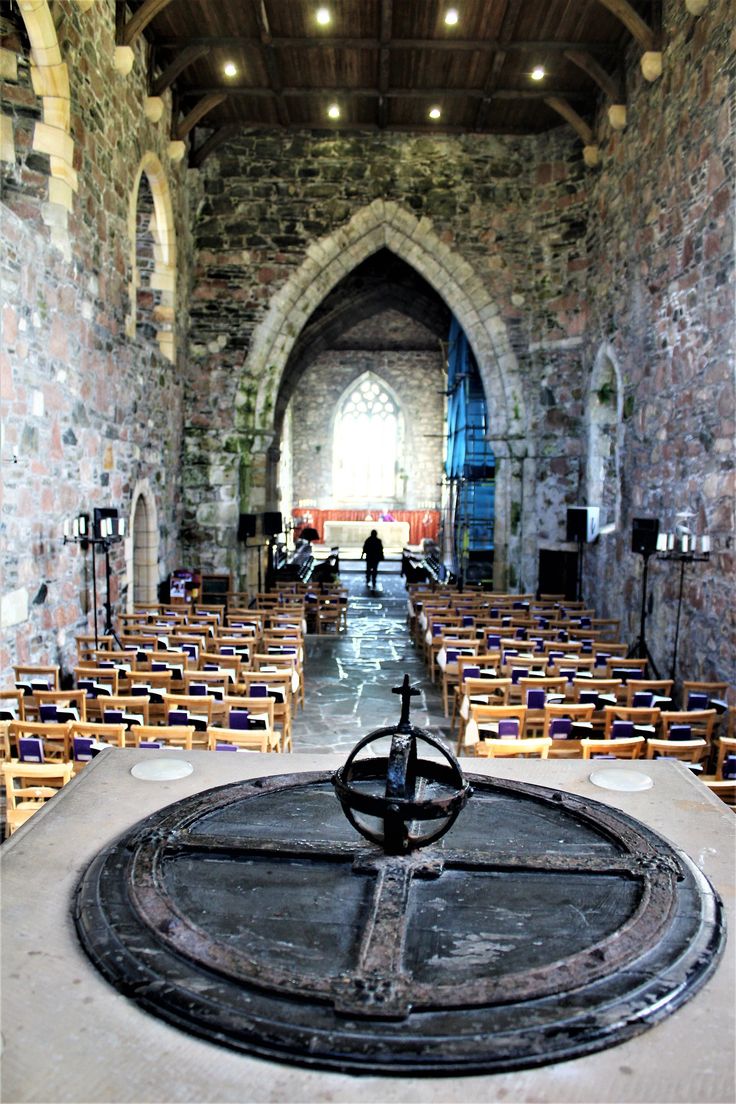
726,747
112,734
726,791
536,747
46,674
648,718
55,738
28,786
700,721
629,748
661,688
564,747
687,751
199,710
134,705
12,701
484,720
179,736
72,699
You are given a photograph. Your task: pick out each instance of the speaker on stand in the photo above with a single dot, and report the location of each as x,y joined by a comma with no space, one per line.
583,523
272,525
644,533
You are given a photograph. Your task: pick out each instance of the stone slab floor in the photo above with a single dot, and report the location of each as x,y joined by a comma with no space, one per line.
349,676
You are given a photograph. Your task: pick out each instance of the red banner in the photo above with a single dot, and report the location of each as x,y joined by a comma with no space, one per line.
422,523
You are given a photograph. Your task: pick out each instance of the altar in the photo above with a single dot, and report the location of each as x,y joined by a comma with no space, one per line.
394,534
70,1036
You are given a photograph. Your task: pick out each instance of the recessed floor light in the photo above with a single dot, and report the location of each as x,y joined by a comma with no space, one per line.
434,113
451,17
333,111
323,16
538,72
230,69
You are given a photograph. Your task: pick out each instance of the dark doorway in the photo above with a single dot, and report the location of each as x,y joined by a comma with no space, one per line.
558,572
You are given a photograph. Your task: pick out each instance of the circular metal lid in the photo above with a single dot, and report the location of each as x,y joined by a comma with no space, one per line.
541,927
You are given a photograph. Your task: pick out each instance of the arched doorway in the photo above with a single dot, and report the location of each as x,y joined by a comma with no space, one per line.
143,565
604,424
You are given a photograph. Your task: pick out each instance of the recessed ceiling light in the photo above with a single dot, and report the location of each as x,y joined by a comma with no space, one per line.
230,69
434,113
323,16
333,111
538,72
451,17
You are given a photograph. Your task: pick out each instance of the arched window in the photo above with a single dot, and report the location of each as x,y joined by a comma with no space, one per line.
604,417
152,258
367,444
147,298
144,532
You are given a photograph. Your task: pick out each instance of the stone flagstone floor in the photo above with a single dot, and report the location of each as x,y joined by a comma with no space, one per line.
349,676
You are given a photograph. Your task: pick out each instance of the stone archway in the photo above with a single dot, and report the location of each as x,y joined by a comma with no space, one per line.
387,225
142,547
50,76
604,424
162,280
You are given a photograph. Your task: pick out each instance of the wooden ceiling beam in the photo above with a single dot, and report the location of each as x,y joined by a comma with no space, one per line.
269,60
570,115
637,27
508,26
487,46
168,75
198,112
608,85
137,23
384,61
216,139
392,93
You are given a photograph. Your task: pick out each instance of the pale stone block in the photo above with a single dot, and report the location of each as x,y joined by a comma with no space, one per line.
696,7
50,80
57,112
162,280
54,141
7,141
8,65
37,404
176,151
54,215
14,608
60,193
153,108
651,65
123,59
64,171
591,156
617,116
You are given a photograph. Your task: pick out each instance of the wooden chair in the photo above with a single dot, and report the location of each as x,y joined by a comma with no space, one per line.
248,739
179,736
640,718
112,734
701,723
637,667
726,747
566,747
218,683
477,691
11,701
265,663
726,791
629,748
28,786
454,650
484,720
46,675
605,686
660,688
129,705
73,699
687,751
198,710
55,738
89,679
535,747
712,689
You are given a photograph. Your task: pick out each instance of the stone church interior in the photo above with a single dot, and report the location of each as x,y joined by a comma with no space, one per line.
278,275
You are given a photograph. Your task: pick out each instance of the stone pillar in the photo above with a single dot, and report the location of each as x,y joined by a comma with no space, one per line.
515,540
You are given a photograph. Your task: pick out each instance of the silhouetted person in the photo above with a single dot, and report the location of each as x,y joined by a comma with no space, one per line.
373,553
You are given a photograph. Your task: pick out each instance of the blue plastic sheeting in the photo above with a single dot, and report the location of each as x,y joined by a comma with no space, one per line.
470,458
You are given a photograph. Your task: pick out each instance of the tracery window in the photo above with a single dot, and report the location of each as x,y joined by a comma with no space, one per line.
367,444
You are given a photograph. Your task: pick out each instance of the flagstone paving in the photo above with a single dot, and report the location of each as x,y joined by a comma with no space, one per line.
349,676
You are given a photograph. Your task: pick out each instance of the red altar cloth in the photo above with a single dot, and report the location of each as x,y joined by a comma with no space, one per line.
422,523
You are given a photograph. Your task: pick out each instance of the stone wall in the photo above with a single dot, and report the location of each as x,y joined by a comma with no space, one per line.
416,379
660,294
89,413
512,211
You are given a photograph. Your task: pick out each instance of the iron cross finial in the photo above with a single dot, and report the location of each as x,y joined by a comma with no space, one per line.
407,692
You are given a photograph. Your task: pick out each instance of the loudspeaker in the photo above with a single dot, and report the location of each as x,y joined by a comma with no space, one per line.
644,533
583,523
246,526
272,524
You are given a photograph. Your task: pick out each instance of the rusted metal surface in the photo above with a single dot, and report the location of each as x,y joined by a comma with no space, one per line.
540,927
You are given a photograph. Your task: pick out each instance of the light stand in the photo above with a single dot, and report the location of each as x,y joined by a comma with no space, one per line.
686,553
109,529
640,649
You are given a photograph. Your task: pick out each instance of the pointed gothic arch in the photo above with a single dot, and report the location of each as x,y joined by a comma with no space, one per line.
604,425
388,225
162,280
142,546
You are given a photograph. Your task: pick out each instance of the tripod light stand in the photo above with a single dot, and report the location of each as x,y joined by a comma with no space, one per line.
640,649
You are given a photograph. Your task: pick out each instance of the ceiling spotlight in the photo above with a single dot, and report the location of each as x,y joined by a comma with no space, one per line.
538,72
451,17
434,113
230,69
333,111
323,16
